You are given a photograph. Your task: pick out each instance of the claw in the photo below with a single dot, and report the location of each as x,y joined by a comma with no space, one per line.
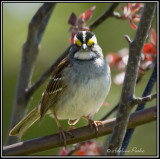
94,123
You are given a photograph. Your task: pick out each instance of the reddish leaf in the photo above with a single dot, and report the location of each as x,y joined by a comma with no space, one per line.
72,38
129,5
132,12
135,8
137,5
78,24
132,24
72,19
149,49
88,14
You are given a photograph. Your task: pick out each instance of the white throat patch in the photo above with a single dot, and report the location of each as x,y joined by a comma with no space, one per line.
84,55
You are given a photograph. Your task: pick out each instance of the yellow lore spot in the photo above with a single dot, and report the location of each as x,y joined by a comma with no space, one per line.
78,42
90,42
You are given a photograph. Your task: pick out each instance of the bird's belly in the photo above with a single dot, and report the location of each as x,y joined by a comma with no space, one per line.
86,99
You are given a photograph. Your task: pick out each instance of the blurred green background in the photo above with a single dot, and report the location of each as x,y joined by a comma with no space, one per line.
110,35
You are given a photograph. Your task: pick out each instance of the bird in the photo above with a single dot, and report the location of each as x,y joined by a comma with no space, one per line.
76,89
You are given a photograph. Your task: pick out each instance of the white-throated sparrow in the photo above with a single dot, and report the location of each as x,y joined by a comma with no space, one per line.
77,87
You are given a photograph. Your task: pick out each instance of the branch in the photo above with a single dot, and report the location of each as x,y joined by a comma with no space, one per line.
128,39
46,74
133,102
141,100
80,134
147,91
30,52
108,13
130,78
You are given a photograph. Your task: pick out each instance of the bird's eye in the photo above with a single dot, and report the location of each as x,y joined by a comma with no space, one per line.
90,42
78,42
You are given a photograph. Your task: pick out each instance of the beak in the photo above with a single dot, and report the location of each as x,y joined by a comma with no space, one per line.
84,47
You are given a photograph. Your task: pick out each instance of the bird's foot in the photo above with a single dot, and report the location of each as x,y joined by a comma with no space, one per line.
95,124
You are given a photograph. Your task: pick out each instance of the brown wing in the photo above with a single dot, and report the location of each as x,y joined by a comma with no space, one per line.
54,88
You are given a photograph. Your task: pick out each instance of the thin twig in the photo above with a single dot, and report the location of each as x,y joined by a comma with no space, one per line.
128,39
143,99
108,13
130,79
80,134
133,102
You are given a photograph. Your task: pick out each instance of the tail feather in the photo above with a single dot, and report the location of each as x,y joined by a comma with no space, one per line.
25,123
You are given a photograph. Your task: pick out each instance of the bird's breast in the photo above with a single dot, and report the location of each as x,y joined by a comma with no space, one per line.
84,94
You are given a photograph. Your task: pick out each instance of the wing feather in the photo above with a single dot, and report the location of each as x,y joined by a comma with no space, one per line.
54,88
